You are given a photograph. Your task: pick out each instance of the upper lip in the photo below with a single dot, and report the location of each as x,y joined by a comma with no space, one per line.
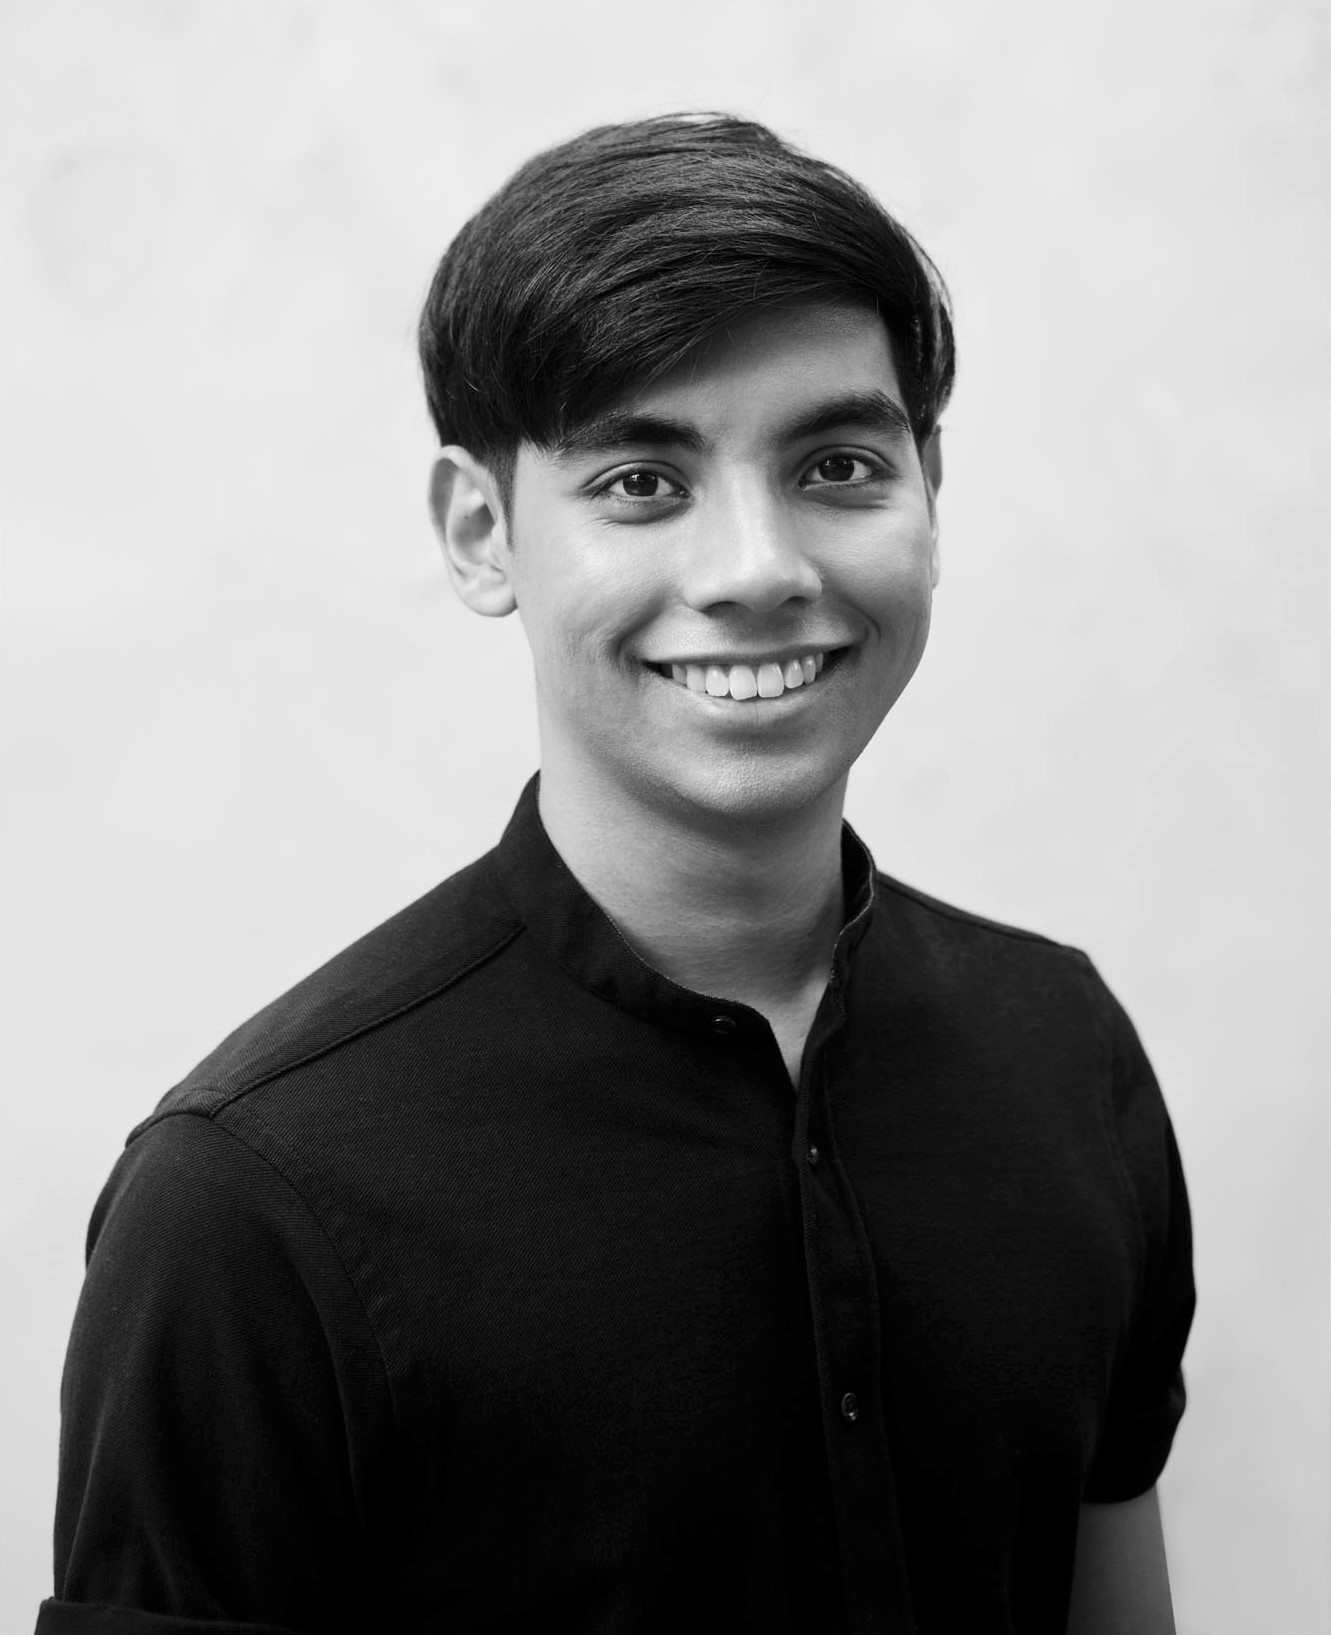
772,655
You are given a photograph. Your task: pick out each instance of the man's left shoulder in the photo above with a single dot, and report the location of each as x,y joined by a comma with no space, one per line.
1005,977
959,933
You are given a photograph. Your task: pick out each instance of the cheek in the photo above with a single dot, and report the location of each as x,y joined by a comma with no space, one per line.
583,607
891,580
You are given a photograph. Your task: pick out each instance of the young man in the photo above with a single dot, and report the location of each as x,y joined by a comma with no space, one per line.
670,1222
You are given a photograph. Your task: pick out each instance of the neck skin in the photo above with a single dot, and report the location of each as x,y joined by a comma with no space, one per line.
725,908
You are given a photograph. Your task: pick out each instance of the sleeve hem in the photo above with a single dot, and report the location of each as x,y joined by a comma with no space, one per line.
1129,1478
56,1617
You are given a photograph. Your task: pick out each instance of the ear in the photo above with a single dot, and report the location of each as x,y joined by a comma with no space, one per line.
469,520
931,461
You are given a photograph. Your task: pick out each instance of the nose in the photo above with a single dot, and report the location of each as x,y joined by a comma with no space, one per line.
747,553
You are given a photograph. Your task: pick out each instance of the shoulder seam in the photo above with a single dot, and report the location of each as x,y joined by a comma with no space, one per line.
353,1033
1109,1112
316,1220
965,917
310,1211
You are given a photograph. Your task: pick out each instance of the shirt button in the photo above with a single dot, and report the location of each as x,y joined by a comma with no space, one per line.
850,1406
813,1155
724,1025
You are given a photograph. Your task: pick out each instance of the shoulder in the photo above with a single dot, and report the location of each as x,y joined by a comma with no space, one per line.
1033,1008
423,954
964,920
1043,1009
966,952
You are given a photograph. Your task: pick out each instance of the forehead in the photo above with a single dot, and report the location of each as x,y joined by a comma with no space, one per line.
777,360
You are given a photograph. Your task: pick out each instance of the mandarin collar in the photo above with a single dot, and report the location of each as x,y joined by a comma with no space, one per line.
582,938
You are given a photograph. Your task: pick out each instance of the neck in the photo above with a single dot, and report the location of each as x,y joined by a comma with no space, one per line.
725,907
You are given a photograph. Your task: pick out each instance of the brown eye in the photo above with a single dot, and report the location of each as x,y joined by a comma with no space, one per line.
837,468
641,484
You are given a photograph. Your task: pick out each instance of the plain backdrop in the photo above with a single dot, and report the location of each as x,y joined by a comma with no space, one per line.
245,720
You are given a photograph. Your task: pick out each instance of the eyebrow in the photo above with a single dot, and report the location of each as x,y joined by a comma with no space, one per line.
622,428
871,410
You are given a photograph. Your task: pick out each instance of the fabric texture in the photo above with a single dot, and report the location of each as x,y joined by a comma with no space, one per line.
491,1281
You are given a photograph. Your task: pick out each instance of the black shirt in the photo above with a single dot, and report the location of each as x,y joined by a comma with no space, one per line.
489,1280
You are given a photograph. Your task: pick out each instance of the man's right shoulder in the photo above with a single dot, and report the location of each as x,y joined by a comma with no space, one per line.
417,956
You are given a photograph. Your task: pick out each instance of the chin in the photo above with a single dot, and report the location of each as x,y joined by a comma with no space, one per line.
747,790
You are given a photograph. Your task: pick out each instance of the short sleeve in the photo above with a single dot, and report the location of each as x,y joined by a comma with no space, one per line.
218,1367
1147,1394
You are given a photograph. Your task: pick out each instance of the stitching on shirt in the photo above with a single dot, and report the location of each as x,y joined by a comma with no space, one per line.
312,1213
1105,1029
355,1033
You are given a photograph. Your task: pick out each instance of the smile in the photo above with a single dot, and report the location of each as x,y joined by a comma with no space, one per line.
745,682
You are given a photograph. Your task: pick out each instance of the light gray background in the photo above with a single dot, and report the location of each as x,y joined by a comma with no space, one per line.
245,720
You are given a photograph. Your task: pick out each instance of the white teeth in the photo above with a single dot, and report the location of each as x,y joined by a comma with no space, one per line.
746,681
770,684
743,682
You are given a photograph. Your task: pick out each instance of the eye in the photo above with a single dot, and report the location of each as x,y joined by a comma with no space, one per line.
839,470
641,484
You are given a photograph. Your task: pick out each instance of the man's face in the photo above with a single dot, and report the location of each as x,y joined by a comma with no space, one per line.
757,518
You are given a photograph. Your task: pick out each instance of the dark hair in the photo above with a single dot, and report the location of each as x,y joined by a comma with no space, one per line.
602,262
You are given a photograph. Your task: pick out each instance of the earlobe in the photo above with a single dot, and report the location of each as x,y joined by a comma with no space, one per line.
469,520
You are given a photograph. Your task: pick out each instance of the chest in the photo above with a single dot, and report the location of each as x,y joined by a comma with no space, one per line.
599,1252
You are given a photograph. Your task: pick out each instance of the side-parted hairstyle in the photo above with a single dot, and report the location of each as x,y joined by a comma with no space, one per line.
601,263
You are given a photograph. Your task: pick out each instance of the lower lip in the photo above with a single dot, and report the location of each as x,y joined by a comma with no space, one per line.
758,708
